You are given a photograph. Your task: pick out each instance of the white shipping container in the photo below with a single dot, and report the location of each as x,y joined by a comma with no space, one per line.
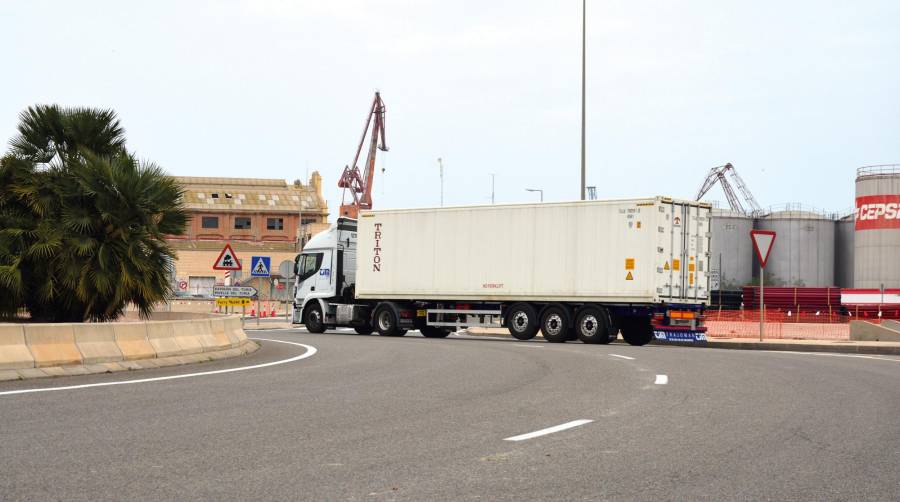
620,251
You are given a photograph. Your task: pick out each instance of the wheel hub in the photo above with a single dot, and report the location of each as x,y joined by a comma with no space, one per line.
384,321
589,326
554,324
520,321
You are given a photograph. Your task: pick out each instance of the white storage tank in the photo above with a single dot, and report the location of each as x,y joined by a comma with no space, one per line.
877,229
843,251
731,251
803,254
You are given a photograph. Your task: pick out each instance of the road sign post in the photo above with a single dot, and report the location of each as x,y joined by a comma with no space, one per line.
763,240
260,266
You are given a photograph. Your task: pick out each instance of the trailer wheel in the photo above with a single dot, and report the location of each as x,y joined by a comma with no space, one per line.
387,321
592,325
555,324
364,330
637,331
522,321
434,332
313,319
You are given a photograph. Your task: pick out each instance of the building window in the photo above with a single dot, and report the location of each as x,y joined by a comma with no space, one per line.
275,223
241,223
210,222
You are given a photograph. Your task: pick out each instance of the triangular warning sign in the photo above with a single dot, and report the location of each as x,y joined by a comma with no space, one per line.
629,277
666,267
227,260
762,244
260,268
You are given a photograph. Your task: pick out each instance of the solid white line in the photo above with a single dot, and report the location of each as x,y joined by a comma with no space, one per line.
622,357
310,350
661,380
549,430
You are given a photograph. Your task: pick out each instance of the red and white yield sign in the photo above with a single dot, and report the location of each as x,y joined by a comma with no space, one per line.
762,243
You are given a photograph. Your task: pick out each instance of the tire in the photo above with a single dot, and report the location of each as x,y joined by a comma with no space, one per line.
592,325
637,331
434,332
364,330
313,318
555,324
522,321
387,322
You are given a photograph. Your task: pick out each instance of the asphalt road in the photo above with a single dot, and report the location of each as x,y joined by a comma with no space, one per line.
372,418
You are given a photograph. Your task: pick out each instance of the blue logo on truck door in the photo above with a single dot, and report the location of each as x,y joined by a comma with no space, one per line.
325,272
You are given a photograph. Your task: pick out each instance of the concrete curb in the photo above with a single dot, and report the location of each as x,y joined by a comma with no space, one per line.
248,347
869,348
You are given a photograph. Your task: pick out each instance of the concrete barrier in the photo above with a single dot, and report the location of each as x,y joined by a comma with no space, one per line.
218,327
203,333
97,343
14,353
162,337
33,350
870,332
131,337
185,335
52,344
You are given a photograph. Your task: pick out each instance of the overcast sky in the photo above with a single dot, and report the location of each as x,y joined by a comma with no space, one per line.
796,94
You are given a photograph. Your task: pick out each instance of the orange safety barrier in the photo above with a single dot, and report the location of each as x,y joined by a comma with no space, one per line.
813,325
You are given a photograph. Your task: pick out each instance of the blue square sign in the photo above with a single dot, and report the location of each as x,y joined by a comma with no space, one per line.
260,266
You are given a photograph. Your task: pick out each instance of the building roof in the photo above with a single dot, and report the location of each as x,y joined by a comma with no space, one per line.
253,194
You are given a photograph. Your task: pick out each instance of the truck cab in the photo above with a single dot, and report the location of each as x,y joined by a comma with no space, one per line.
325,273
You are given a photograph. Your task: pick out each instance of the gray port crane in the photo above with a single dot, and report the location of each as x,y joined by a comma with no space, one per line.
718,173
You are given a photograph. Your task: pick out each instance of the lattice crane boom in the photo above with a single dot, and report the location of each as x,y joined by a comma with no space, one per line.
718,174
359,185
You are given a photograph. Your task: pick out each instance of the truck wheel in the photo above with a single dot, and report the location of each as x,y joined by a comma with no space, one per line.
522,321
555,324
637,331
592,325
313,319
387,322
434,332
364,330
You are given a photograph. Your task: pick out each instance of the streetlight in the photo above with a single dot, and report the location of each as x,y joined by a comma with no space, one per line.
583,49
536,190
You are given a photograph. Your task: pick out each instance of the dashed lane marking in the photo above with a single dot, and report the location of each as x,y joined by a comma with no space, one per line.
310,350
549,430
661,379
622,357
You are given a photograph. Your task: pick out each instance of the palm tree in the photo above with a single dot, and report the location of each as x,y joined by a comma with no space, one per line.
82,220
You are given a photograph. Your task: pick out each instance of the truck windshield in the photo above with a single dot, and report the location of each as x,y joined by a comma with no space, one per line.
309,264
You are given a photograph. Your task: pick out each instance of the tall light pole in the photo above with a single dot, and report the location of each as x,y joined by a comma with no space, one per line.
536,190
583,50
493,176
441,168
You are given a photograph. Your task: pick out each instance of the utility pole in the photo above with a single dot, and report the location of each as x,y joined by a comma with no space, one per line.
583,59
441,168
536,190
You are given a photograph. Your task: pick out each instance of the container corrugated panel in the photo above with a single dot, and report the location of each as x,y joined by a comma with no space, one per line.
626,251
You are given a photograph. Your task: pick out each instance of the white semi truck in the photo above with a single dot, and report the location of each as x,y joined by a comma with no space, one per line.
582,270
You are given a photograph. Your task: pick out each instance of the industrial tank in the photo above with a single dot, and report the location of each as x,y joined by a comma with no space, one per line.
843,251
803,253
877,235
731,251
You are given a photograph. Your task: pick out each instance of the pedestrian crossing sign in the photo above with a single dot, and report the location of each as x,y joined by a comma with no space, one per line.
260,266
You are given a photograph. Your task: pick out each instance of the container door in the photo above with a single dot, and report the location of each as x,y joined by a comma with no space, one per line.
684,241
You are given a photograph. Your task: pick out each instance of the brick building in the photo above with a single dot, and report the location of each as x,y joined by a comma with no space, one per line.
258,217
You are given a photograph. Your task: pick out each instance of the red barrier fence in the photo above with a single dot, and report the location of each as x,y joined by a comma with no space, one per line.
814,325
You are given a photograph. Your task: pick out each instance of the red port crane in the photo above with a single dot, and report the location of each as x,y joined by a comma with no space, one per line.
360,185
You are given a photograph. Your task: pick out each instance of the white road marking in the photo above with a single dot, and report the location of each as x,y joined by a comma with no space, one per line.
549,430
661,379
310,350
622,357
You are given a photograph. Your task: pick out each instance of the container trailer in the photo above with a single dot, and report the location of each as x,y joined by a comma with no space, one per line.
583,270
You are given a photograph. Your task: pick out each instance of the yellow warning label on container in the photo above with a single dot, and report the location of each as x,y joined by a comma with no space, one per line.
639,224
629,277
421,313
676,264
666,267
691,279
691,267
232,302
629,263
